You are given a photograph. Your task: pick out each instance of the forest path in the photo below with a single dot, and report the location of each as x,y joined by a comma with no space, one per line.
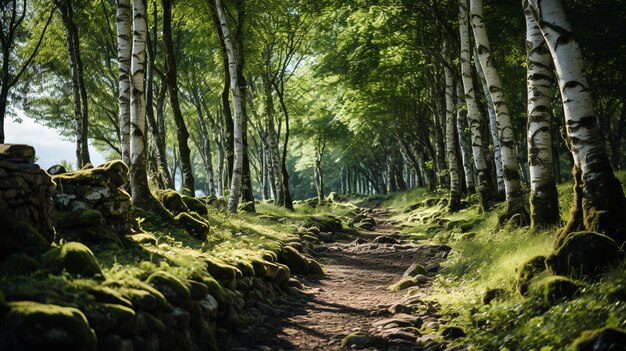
351,297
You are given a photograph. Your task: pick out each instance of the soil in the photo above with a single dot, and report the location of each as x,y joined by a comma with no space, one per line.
352,296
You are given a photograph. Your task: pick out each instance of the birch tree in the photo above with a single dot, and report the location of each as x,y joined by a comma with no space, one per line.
599,203
512,184
236,181
473,114
124,47
544,202
451,145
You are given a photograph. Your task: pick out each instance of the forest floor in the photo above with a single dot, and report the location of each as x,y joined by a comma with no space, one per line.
352,298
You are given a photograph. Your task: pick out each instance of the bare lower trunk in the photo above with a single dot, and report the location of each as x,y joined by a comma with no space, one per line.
464,140
451,146
544,203
514,195
602,202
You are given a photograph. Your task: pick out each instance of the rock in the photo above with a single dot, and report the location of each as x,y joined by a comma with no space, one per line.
408,282
583,253
314,267
324,224
143,296
492,294
172,201
18,264
296,245
399,320
20,237
529,270
605,339
452,333
34,326
174,290
295,283
554,288
110,318
282,275
56,169
192,225
385,239
359,340
73,257
209,306
222,271
142,238
433,268
294,260
195,204
113,342
17,153
414,270
217,291
103,294
197,290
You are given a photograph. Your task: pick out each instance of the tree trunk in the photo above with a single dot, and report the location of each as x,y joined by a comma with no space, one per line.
603,203
172,86
514,195
464,140
283,167
473,113
236,182
141,195
544,202
453,166
79,92
270,113
124,46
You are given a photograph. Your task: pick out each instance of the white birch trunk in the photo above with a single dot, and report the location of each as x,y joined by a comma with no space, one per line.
464,139
544,204
473,114
603,203
124,47
236,182
453,165
510,165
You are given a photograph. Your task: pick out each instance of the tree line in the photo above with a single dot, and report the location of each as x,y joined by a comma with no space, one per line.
278,97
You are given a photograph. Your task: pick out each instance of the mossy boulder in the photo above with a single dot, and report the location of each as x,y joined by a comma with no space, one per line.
73,257
195,204
192,225
324,223
583,253
111,318
246,268
221,271
529,270
142,238
408,282
282,274
260,266
314,267
605,339
174,290
554,288
103,294
217,291
116,171
362,221
297,263
142,295
414,270
172,201
18,236
34,326
18,264
360,340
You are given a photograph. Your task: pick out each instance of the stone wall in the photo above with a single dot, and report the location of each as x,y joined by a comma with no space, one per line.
91,205
25,189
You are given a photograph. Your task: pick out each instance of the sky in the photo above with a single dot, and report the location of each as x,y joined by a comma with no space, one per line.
50,148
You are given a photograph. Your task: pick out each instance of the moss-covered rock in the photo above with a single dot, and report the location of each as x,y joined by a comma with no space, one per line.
583,253
246,268
324,223
18,236
142,295
217,291
174,290
172,201
529,270
407,282
142,238
260,266
554,288
34,326
192,225
73,257
605,339
314,267
195,204
110,318
414,270
221,271
103,294
18,264
294,260
360,340
282,274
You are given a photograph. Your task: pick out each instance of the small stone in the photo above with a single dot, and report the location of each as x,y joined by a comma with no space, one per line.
452,333
18,153
56,169
414,270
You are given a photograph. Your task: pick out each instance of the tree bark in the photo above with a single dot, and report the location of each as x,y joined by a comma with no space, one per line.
544,202
172,86
270,113
514,195
453,166
464,140
602,200
124,46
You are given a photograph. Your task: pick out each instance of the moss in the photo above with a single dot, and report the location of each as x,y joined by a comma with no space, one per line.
404,283
35,326
174,290
142,295
217,291
554,288
195,205
608,339
260,266
18,236
221,271
583,253
142,238
324,223
18,264
116,171
73,257
529,270
294,260
110,318
246,268
172,201
192,225
102,294
315,267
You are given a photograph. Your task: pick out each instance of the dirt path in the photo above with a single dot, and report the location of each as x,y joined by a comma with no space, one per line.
351,297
